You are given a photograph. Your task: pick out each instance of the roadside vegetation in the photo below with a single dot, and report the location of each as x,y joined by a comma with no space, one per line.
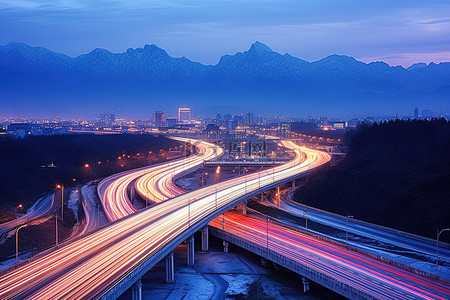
396,174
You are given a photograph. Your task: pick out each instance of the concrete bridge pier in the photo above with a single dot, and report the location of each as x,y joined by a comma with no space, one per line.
262,196
293,183
190,251
136,290
132,193
170,268
225,246
244,208
278,199
305,282
205,239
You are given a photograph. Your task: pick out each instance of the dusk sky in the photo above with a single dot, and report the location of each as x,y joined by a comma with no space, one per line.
397,32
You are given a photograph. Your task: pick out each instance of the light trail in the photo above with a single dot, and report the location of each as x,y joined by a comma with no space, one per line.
92,265
113,190
44,206
374,277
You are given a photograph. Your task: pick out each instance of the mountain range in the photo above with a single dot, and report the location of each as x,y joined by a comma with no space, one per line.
138,81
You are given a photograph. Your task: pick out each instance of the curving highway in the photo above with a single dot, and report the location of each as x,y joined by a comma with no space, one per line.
42,207
91,266
113,190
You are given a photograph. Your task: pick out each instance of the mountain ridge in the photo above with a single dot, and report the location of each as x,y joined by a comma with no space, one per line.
257,76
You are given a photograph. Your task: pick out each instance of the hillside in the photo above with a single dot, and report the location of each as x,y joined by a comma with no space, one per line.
396,174
261,79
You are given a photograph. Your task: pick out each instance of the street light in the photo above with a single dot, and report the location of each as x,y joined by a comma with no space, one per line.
17,242
60,186
437,249
346,230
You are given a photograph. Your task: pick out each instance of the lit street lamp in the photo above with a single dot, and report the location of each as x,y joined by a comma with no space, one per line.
60,186
437,249
346,229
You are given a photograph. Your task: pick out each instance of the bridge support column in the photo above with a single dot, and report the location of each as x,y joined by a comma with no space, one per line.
170,268
244,208
190,251
132,193
293,183
136,290
262,196
225,246
278,196
305,282
205,239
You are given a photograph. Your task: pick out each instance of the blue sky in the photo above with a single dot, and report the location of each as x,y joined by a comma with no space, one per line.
395,31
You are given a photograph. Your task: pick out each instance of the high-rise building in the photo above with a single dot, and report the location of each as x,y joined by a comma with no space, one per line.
184,114
238,120
249,119
219,120
416,113
159,119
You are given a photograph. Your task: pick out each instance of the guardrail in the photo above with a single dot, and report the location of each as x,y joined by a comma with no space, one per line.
368,224
118,287
320,278
355,249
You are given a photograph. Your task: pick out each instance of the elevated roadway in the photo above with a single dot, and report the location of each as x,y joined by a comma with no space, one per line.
331,264
107,262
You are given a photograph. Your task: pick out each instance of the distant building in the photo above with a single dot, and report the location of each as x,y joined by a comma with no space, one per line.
258,120
416,113
184,114
19,130
249,119
219,120
159,118
353,123
107,119
212,128
238,120
171,122
339,125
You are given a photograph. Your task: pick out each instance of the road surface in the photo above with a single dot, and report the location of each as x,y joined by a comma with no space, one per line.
406,241
113,190
43,206
373,277
91,265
